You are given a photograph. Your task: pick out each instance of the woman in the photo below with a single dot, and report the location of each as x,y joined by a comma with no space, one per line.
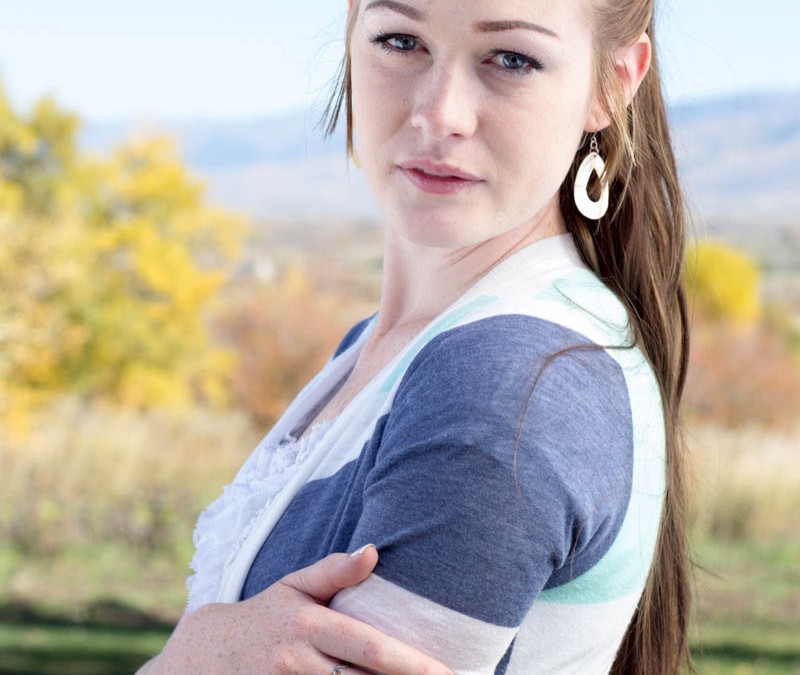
499,444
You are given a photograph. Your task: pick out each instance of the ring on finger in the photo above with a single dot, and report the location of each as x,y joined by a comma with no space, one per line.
338,669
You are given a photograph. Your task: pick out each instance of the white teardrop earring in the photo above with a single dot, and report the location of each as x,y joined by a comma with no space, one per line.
593,162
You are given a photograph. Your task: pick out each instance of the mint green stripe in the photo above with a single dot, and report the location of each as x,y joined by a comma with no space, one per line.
624,568
444,323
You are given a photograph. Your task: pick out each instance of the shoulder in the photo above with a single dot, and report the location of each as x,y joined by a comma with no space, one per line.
529,414
501,364
534,395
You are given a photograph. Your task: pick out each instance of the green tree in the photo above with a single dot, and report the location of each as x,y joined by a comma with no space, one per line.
107,269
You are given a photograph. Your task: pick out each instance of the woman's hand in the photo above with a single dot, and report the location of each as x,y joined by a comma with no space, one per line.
288,628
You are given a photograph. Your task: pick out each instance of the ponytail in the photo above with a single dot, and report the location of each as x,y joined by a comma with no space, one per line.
637,250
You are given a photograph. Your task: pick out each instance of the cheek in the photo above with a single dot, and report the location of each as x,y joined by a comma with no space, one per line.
379,96
538,146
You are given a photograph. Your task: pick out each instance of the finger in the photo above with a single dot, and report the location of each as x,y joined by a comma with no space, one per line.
326,578
315,663
350,669
348,639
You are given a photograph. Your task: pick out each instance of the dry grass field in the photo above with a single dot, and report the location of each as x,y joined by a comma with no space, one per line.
746,532
98,507
745,483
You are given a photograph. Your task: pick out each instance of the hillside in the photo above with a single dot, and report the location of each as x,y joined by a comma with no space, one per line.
736,156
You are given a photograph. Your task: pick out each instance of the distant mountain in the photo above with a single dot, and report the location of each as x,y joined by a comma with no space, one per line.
227,143
737,156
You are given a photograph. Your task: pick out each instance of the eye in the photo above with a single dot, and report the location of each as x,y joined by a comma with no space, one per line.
394,42
515,63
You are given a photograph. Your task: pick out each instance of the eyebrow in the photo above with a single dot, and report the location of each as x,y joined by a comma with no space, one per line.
496,26
481,26
406,10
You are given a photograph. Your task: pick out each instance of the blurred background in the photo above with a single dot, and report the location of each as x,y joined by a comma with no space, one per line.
180,251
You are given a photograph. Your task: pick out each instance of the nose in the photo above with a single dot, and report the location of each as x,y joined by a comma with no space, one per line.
445,104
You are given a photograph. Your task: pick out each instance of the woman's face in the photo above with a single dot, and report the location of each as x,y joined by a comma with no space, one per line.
496,93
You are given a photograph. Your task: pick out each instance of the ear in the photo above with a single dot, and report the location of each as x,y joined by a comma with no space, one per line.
631,63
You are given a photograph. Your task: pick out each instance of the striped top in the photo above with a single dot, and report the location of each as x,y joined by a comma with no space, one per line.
508,464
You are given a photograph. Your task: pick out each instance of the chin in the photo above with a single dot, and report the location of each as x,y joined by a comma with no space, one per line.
445,226
433,230
440,235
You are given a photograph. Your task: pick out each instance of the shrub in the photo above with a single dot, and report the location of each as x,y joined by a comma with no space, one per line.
742,377
282,334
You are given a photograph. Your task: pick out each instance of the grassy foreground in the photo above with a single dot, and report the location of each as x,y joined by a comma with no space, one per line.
95,538
45,646
748,608
98,610
748,616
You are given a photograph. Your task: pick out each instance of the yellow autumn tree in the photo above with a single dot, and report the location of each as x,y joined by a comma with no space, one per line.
724,283
107,267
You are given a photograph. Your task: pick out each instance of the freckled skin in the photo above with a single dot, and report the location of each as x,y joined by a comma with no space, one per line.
288,629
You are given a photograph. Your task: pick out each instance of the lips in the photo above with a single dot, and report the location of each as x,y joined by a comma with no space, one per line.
437,169
438,178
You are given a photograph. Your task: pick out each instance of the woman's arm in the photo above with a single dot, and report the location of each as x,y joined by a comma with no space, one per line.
491,483
289,629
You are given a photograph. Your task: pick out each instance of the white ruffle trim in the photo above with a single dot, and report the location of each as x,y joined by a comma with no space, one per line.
226,524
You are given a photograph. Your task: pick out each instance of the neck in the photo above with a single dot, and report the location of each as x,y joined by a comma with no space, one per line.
420,282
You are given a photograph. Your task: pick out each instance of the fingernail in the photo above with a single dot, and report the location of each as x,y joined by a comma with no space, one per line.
359,551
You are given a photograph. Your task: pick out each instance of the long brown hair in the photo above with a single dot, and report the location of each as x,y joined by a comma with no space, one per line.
637,250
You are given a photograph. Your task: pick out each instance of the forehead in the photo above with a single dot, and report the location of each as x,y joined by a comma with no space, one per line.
564,18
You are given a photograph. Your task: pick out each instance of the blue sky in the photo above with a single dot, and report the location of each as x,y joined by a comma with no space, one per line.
109,59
